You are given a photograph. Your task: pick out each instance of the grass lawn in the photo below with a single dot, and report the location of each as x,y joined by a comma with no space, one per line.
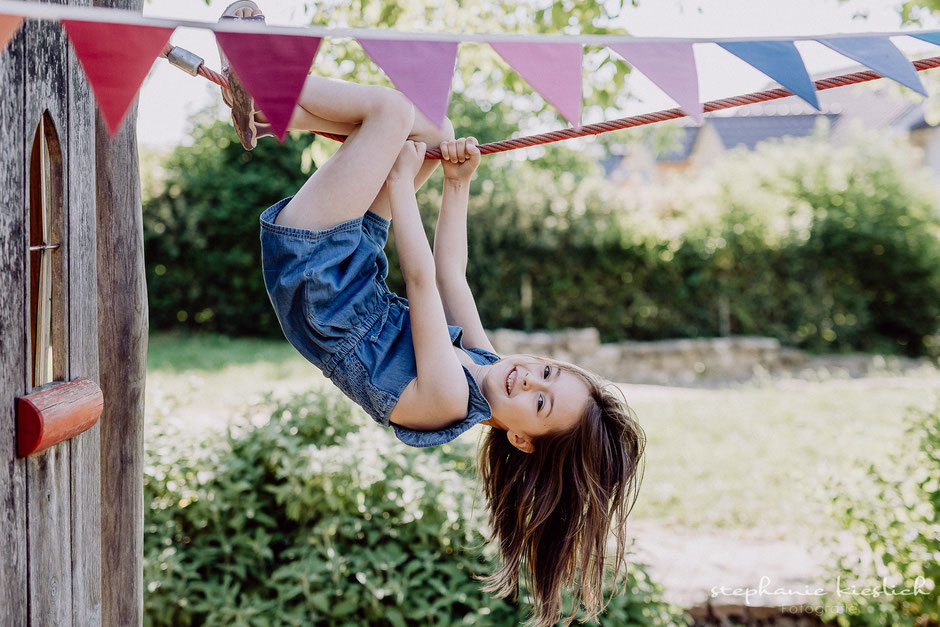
758,457
749,457
205,381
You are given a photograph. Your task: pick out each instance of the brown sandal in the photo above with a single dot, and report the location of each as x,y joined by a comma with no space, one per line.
244,114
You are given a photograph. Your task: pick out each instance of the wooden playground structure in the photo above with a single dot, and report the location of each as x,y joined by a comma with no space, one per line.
73,333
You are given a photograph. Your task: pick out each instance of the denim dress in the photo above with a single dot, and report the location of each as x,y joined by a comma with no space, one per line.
329,293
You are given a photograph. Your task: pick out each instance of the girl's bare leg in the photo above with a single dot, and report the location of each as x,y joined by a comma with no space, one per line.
377,121
423,130
345,186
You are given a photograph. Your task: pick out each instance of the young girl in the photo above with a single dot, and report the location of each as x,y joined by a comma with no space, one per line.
559,460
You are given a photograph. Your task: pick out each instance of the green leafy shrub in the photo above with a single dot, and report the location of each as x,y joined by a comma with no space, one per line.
824,248
298,517
201,233
828,249
891,534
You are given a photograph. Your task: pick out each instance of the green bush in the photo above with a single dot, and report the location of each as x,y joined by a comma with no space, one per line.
890,519
297,517
827,249
201,234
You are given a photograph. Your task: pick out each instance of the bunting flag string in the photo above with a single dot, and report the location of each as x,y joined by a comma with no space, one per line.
273,69
9,24
671,67
933,38
553,70
781,61
881,56
116,48
422,70
116,59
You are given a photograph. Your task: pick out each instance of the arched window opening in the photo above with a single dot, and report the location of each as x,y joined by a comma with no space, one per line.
46,257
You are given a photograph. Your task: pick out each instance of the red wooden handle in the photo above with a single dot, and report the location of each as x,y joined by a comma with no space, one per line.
56,413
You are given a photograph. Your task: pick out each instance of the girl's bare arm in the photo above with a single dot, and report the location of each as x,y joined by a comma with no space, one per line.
439,395
460,158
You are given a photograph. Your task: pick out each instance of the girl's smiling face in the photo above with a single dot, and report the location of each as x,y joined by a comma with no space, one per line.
532,397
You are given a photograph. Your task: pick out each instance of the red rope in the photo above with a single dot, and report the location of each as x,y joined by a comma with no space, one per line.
635,120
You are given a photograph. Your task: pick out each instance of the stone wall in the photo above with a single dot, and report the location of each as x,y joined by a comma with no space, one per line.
666,362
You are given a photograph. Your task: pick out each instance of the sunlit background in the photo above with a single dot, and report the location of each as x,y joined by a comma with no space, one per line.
765,294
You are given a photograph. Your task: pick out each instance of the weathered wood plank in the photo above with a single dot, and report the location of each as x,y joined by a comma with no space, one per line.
47,474
13,327
122,346
50,569
83,344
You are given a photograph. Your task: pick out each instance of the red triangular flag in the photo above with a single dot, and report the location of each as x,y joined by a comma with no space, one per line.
422,70
116,59
273,68
553,70
9,24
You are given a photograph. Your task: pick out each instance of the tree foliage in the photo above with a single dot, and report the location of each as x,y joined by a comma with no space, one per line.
887,547
201,244
823,248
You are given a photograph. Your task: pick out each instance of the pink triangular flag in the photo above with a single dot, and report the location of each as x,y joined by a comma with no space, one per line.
116,59
9,24
671,66
553,70
273,68
422,70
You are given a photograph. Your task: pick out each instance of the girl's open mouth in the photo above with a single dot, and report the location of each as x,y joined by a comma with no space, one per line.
510,380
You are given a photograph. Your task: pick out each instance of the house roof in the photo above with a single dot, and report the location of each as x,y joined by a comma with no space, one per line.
752,130
747,131
879,105
872,105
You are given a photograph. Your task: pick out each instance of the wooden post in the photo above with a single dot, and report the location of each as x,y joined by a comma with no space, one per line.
49,503
83,353
13,573
48,489
122,350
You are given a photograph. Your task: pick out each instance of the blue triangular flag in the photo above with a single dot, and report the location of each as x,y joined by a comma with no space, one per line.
780,60
879,54
932,37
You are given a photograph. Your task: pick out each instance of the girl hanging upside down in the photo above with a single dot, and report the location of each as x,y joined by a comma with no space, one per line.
561,452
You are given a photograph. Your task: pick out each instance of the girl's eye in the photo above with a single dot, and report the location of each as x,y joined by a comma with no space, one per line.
547,371
541,402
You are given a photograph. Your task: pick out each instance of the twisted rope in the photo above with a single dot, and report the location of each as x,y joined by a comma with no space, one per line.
631,121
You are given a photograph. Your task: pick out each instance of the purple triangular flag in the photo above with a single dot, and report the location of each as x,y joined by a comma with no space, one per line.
671,66
879,54
422,70
273,68
553,70
781,61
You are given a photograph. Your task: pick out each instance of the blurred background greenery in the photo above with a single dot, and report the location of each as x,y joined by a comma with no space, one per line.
825,248
272,500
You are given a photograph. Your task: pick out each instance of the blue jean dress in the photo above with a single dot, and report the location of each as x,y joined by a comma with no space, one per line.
329,293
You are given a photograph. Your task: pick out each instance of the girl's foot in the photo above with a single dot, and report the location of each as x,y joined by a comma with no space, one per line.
248,121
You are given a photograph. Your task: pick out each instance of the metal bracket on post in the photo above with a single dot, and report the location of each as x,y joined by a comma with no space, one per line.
184,60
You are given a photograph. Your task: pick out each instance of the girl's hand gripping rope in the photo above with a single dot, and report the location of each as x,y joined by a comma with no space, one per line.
460,158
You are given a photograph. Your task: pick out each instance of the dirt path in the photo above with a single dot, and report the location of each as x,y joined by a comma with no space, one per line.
694,565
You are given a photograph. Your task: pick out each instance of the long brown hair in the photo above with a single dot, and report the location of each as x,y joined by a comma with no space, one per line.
552,511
